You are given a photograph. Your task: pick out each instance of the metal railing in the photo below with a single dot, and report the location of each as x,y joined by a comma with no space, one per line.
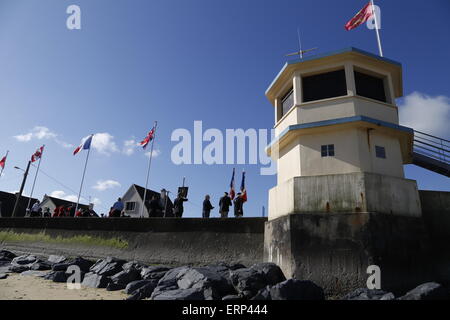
432,146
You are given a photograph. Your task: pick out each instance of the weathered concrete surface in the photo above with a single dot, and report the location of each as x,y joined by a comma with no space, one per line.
352,192
153,241
436,215
335,249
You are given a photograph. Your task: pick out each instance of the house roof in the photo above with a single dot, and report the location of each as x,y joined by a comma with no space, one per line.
7,204
61,202
150,193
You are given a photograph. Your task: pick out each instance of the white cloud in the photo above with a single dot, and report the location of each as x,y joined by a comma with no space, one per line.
103,185
96,201
41,133
104,143
129,146
156,152
62,195
426,113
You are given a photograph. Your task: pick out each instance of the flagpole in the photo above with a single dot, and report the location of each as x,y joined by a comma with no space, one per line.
376,28
3,168
82,179
148,169
34,181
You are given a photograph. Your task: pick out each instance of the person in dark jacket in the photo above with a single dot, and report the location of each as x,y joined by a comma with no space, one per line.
224,205
238,206
207,207
178,205
154,208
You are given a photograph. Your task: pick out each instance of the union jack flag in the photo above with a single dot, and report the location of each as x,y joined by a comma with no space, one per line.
148,138
38,154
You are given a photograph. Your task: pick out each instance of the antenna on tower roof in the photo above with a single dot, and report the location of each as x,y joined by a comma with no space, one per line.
300,52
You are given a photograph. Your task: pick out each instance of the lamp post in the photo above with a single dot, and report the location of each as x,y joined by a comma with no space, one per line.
19,195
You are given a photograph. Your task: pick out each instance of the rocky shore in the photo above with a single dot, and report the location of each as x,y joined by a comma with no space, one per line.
220,281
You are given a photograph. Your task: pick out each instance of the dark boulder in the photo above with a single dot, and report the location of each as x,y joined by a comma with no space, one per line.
143,292
427,291
368,294
94,280
82,263
25,260
134,285
247,282
169,281
232,297
294,289
272,273
132,265
205,278
180,294
54,259
153,272
18,269
263,294
41,265
6,255
3,276
57,276
107,267
120,280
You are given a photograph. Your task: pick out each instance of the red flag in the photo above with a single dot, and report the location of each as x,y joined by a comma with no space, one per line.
362,16
85,144
243,190
38,154
232,193
3,162
148,138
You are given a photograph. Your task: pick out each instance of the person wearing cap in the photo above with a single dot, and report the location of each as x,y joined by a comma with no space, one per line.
238,206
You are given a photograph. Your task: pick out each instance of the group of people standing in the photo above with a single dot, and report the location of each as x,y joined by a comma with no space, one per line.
225,203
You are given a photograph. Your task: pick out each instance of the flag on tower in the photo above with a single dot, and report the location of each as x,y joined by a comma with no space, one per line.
232,193
148,138
3,162
38,154
243,190
85,144
362,16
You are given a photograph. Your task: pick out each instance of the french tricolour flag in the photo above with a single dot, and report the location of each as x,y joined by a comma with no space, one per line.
85,144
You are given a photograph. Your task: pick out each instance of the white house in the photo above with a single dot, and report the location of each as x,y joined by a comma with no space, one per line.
133,201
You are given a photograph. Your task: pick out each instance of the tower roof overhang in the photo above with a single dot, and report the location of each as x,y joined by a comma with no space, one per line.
330,58
404,134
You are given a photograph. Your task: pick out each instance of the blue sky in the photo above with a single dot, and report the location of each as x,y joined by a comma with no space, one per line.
176,61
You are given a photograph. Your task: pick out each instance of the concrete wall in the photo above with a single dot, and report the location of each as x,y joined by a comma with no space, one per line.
335,249
353,192
154,241
436,215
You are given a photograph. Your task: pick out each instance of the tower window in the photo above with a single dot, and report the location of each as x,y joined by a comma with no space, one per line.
380,152
130,206
323,86
327,150
370,86
287,102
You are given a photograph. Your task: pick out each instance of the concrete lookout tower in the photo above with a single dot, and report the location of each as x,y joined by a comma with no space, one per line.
341,202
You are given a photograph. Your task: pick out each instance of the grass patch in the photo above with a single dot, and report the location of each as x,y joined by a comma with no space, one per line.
81,239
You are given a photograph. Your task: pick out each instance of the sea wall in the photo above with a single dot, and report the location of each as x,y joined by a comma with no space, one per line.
153,241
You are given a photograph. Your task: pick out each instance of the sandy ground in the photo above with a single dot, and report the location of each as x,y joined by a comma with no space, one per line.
20,287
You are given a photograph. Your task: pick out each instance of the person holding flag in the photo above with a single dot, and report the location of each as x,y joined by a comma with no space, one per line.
85,145
240,199
3,163
366,13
